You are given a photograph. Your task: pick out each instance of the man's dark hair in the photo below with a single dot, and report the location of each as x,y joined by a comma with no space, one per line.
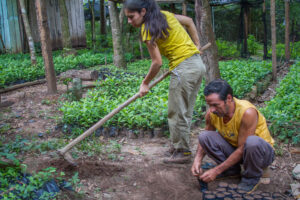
220,87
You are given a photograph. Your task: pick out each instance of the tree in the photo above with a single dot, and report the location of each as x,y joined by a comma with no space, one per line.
119,58
265,31
287,30
245,11
2,42
102,18
273,36
206,34
65,24
92,6
28,32
46,45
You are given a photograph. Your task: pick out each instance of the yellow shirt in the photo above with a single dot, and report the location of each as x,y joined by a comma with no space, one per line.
230,130
178,46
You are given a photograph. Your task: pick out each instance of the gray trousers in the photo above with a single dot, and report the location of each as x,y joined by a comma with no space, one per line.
257,155
184,86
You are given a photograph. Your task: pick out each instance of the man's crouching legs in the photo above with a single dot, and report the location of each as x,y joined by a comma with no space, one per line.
218,149
258,154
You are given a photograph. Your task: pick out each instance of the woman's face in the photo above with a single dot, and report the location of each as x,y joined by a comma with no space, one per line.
135,18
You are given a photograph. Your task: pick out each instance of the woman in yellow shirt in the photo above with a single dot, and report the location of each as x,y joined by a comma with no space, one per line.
164,34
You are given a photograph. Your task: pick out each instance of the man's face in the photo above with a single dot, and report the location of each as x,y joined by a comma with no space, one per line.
216,105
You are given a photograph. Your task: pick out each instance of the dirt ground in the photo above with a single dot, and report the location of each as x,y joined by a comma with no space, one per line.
140,174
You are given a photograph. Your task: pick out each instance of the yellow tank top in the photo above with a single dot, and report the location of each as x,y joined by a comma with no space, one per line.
178,46
230,130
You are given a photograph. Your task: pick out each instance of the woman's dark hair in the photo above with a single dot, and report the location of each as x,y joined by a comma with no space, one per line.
220,87
155,22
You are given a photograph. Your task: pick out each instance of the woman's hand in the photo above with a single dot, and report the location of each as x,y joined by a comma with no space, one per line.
199,48
144,89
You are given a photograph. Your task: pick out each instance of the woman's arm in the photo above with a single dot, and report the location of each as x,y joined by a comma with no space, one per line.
154,68
191,28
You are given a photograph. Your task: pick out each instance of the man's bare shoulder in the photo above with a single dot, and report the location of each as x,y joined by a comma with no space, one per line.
250,116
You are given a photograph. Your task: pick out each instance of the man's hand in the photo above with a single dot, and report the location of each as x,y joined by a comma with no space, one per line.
209,175
144,89
196,168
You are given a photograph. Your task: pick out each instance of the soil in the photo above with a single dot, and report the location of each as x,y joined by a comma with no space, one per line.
140,174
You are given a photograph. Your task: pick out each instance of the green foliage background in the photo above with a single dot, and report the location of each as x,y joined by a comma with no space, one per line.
283,111
151,110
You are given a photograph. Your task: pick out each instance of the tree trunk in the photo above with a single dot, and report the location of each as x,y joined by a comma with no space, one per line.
28,32
121,19
273,36
205,31
119,59
246,16
102,18
2,42
287,30
172,7
265,31
91,6
184,8
46,45
141,48
65,24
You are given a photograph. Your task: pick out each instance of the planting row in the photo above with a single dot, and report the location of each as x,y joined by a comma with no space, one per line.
17,68
283,110
228,49
150,111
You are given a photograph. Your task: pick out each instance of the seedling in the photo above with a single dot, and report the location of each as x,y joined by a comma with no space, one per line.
66,82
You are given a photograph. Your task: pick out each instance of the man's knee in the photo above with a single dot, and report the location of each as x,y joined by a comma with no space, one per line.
252,142
205,136
256,144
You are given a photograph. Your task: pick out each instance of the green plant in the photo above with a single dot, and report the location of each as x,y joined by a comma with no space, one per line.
17,185
66,82
253,45
4,128
227,49
151,110
280,50
284,109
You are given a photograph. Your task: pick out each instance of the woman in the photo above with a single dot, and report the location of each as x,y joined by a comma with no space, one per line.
164,34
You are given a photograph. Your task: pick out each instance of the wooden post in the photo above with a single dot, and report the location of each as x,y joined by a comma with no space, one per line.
287,30
141,48
273,36
64,18
2,42
265,31
102,18
28,32
46,45
184,8
245,17
206,34
119,58
92,8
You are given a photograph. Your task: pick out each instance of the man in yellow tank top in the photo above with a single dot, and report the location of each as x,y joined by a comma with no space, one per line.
236,133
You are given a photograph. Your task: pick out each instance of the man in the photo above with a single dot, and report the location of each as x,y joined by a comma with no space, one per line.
242,137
